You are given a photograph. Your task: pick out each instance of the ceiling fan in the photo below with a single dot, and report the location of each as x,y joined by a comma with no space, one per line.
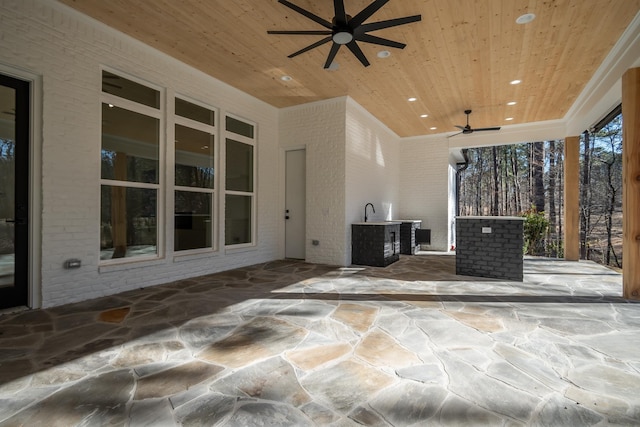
468,129
347,30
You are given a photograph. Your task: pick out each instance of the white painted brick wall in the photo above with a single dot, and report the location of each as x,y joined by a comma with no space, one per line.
424,189
67,49
352,158
320,128
373,169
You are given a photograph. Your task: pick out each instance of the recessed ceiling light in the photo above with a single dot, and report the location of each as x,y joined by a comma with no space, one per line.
516,82
384,54
512,103
424,116
433,128
526,18
412,99
204,147
110,105
286,78
509,118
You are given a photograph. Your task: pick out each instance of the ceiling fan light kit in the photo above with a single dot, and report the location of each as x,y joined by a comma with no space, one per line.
347,30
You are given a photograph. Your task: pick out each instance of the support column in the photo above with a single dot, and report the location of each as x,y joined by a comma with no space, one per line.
571,198
631,184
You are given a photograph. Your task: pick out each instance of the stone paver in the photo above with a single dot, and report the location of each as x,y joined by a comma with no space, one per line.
289,343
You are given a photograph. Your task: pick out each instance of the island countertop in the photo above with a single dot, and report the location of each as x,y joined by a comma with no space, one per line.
378,223
510,218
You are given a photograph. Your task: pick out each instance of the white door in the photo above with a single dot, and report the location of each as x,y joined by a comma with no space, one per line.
295,198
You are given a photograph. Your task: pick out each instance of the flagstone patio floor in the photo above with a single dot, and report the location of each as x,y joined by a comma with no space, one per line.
291,343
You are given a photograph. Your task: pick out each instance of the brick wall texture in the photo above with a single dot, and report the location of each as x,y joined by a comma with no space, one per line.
497,254
424,179
375,245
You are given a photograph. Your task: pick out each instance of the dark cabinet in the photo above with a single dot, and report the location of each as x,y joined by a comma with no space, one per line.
375,244
408,238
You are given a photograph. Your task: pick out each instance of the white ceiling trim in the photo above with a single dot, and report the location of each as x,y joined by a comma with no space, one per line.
604,91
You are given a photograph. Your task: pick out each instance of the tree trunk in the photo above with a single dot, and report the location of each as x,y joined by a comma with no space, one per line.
538,175
585,211
516,179
552,197
505,182
496,188
611,205
560,173
479,184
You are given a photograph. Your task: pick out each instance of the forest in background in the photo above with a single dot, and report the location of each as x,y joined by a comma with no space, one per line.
527,180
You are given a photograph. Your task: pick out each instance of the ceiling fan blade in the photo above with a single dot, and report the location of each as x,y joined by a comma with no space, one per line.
311,46
386,24
368,38
460,127
332,55
454,134
355,49
318,32
366,13
306,13
481,129
340,14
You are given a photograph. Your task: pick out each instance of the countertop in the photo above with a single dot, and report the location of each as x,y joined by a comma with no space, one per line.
378,223
491,217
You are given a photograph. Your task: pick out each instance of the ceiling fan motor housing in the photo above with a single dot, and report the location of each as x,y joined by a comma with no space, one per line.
347,30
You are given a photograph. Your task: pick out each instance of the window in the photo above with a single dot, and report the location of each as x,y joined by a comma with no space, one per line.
130,169
240,182
136,158
195,158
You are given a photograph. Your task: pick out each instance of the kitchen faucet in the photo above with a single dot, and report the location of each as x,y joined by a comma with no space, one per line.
365,210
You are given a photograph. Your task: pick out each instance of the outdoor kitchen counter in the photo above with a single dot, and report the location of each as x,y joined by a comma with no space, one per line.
375,244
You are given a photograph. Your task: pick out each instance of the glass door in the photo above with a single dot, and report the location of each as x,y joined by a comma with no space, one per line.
14,191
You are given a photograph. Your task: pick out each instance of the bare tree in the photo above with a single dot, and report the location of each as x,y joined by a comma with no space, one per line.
537,175
516,179
552,197
496,188
608,155
585,202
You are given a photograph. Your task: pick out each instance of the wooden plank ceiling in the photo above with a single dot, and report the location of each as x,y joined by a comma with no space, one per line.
462,55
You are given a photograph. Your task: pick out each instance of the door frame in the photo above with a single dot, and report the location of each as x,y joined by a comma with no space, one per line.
303,240
282,196
34,274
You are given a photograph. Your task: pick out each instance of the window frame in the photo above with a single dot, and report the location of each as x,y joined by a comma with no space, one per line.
215,214
160,115
226,134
